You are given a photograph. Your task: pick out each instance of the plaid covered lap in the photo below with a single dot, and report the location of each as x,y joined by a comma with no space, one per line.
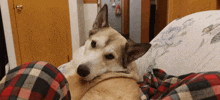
193,86
34,81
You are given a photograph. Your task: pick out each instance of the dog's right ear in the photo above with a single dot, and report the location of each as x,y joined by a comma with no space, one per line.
101,20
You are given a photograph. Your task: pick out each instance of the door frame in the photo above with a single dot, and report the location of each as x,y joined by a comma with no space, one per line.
125,18
145,20
8,33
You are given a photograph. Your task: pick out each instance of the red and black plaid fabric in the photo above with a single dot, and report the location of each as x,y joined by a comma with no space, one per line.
194,86
34,81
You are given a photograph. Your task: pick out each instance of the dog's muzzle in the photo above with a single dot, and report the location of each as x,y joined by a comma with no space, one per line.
83,70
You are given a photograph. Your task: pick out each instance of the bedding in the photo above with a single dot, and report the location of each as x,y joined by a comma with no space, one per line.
188,50
41,80
34,81
188,44
158,85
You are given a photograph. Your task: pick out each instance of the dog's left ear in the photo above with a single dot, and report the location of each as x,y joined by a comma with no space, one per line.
134,50
101,20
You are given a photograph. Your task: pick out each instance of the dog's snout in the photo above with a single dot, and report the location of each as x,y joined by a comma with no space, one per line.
83,70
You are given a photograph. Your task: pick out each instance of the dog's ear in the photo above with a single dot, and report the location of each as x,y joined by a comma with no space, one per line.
133,51
101,20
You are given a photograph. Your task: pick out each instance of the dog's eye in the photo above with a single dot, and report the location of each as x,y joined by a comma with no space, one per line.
93,44
109,56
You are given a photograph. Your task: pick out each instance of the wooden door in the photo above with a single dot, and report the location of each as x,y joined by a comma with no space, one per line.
145,20
161,15
181,8
169,10
90,1
41,31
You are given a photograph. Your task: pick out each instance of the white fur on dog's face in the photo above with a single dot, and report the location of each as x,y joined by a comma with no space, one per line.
108,41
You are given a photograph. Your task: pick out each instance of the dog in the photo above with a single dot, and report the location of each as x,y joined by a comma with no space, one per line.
104,67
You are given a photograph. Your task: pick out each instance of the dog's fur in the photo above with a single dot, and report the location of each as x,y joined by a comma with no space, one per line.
104,67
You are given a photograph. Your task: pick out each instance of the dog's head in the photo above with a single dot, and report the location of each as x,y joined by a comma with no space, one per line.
106,50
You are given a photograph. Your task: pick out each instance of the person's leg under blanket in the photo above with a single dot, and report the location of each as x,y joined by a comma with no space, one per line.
34,81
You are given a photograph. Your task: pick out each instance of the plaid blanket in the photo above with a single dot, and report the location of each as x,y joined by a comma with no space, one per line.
194,86
34,81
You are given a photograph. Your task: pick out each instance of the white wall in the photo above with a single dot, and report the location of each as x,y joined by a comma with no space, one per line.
74,25
135,21
82,17
90,12
81,22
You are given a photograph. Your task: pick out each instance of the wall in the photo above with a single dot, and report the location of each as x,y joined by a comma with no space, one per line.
82,17
114,20
135,21
90,12
81,21
74,25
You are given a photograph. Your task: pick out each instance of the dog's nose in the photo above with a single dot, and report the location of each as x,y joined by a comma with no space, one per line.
83,70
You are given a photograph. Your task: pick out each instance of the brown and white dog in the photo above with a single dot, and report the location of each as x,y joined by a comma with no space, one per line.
104,68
